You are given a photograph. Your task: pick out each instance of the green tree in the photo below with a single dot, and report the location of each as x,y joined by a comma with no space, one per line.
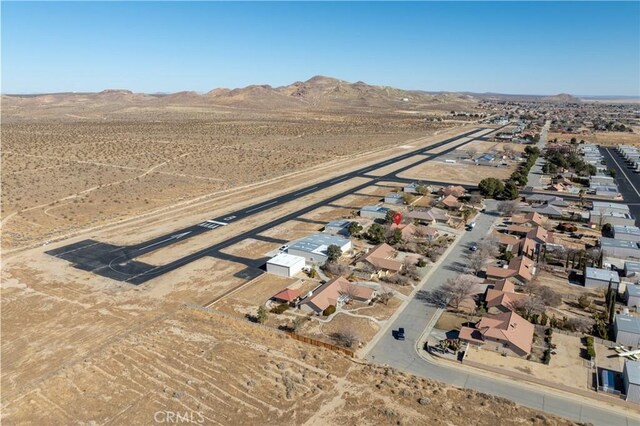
354,228
396,237
490,187
262,315
510,191
376,233
612,173
408,198
333,253
389,216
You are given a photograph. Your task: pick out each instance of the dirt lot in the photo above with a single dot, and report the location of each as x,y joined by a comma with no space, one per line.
86,173
566,366
456,173
181,363
600,138
482,147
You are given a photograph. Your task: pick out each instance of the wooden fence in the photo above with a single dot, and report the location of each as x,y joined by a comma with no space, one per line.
322,344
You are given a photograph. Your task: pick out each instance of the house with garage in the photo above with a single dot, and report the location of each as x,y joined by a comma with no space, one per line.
382,259
407,230
336,293
455,190
507,333
501,296
430,216
450,202
529,219
520,268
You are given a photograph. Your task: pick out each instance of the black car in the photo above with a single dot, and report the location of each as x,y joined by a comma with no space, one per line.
400,333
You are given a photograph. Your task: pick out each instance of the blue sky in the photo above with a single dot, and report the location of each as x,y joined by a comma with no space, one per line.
586,48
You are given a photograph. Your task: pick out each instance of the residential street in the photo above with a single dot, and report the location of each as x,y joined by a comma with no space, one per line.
417,316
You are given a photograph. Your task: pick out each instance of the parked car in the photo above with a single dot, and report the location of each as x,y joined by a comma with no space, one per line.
473,247
400,333
471,226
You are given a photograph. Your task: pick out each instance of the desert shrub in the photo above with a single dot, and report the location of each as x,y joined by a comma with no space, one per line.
330,310
281,308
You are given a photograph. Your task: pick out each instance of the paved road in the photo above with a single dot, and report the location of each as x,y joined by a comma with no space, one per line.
415,318
627,180
118,262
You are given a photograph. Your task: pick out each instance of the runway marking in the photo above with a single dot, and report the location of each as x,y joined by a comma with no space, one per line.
623,173
306,190
229,218
217,223
208,225
261,207
76,249
173,237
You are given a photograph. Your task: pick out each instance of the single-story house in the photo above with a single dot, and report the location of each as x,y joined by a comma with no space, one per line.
431,233
336,293
455,190
631,378
506,332
632,295
382,258
430,216
627,330
554,200
520,268
531,219
285,264
451,202
501,296
600,278
287,295
374,212
314,247
408,230
545,210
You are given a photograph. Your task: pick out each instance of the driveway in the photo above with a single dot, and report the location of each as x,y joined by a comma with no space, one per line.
416,318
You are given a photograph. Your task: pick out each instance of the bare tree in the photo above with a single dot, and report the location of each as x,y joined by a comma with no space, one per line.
531,287
530,305
489,245
347,337
458,289
549,296
477,260
508,208
385,294
350,290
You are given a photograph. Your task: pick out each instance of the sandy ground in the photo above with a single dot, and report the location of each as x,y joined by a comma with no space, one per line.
600,138
566,366
181,364
456,172
482,147
83,174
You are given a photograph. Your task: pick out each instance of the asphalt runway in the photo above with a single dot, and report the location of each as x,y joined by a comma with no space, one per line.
119,262
627,179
